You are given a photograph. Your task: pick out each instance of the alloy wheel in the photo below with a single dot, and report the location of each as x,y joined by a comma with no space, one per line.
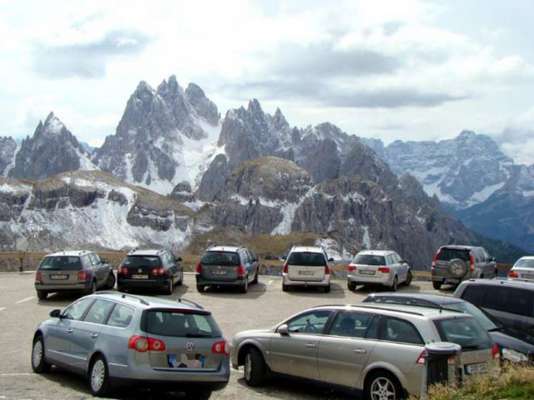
248,367
383,388
37,353
98,375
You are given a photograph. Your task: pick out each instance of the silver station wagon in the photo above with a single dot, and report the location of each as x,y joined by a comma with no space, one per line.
114,338
378,349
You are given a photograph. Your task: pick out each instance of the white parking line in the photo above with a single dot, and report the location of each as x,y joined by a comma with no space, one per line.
17,374
2,308
25,300
270,282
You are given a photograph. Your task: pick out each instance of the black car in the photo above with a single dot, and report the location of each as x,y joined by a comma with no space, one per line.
150,269
515,345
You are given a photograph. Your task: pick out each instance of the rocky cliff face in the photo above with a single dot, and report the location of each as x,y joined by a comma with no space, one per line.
51,150
8,149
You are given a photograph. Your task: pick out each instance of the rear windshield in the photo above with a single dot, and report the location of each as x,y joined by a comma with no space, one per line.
142,261
466,332
307,258
220,258
369,259
180,324
476,312
524,263
447,254
64,263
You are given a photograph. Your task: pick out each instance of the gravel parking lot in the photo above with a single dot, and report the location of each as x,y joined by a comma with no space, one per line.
264,305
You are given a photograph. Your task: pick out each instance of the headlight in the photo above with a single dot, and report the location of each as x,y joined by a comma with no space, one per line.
513,356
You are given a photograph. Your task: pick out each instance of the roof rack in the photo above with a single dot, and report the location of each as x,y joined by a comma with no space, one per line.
189,302
422,304
124,296
387,309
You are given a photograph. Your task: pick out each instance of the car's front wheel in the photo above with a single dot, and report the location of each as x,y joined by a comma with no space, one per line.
99,377
383,386
39,363
255,369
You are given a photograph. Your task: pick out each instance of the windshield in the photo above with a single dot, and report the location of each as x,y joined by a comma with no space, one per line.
180,324
307,258
141,261
220,258
476,312
369,259
64,263
466,332
524,263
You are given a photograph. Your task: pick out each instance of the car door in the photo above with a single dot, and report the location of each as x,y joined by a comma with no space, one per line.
296,353
245,261
86,331
344,350
100,268
403,267
57,341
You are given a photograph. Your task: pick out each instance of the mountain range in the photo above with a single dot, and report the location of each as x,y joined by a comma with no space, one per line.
175,169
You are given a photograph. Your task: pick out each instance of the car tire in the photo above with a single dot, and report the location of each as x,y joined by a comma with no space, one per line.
437,284
255,281
255,369
39,363
201,288
181,280
326,289
244,287
395,286
170,287
98,376
351,286
198,394
285,288
110,283
42,294
92,289
382,380
121,288
409,279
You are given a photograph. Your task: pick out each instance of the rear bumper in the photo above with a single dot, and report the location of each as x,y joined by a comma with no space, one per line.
214,282
377,279
49,287
143,283
291,282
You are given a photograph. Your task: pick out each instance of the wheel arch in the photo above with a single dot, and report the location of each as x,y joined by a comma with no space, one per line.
91,360
245,346
383,367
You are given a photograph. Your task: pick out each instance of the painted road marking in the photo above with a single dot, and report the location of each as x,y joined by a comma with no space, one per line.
2,308
17,374
25,300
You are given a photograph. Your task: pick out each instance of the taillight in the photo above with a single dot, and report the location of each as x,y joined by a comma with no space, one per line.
351,268
326,270
123,271
513,274
240,270
83,276
384,270
495,351
198,268
39,277
220,347
284,270
159,271
434,259
422,358
471,263
143,344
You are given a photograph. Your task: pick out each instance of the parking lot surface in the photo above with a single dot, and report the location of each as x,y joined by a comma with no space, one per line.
263,306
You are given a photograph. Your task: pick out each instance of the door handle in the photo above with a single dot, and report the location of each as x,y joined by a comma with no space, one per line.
359,351
311,345
69,330
94,335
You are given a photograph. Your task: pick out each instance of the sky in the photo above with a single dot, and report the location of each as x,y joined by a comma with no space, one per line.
408,70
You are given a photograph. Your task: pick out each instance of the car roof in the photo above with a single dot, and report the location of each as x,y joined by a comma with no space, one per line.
224,248
147,302
432,298
307,249
501,282
376,252
146,252
70,253
526,258
398,309
459,247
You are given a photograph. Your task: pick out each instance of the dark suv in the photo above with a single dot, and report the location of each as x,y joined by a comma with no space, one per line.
150,269
454,264
227,266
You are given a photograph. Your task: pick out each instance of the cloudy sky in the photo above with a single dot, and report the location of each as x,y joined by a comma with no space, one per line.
411,70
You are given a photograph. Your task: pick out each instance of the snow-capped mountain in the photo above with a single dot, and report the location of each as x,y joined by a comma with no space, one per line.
51,150
461,172
8,149
166,136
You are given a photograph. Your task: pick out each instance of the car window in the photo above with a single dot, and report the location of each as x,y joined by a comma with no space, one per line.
77,310
180,324
99,311
307,258
351,324
121,316
369,259
524,263
399,331
310,322
468,308
475,294
466,332
513,300
220,258
447,254
96,258
141,261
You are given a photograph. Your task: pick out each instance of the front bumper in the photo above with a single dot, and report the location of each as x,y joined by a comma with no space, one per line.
289,282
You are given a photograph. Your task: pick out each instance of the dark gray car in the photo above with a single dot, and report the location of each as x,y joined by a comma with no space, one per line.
72,271
227,266
453,264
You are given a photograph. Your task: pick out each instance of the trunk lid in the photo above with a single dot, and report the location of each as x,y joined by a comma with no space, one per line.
140,267
220,265
306,266
60,270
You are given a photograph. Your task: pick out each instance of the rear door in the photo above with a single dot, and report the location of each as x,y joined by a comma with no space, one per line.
141,266
220,265
306,266
445,255
60,270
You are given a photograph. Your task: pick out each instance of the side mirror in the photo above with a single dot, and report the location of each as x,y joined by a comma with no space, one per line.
330,259
403,262
283,330
283,258
179,259
55,313
492,259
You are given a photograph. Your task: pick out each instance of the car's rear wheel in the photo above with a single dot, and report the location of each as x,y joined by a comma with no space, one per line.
351,286
92,289
383,386
110,283
39,363
181,280
437,284
255,370
395,284
285,288
244,287
198,394
326,289
201,288
255,281
42,294
170,287
99,377
409,278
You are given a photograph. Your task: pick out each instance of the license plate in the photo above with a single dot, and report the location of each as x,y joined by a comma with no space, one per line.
306,273
59,277
367,272
219,272
476,369
194,361
137,276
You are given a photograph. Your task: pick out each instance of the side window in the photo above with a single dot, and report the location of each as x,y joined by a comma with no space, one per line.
77,310
399,331
97,258
351,324
244,256
475,294
512,300
99,311
310,322
121,316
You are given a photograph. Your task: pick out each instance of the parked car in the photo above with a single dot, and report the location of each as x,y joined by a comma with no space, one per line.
514,348
509,301
453,264
112,338
81,270
150,269
382,267
523,269
374,348
306,266
227,266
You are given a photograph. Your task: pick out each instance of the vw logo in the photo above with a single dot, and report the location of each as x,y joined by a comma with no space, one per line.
139,270
189,347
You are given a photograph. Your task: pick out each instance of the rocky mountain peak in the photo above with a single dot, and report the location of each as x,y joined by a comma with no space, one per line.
279,120
203,106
